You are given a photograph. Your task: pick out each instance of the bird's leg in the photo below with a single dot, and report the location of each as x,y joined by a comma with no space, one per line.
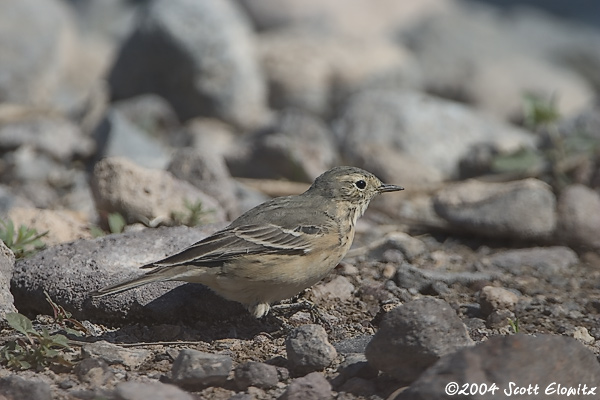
303,304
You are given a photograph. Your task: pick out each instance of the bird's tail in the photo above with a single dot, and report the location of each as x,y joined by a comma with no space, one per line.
159,274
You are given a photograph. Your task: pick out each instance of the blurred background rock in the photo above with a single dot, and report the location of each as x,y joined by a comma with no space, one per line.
212,92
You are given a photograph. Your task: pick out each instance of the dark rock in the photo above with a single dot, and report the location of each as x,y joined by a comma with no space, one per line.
512,362
412,337
354,365
354,345
359,387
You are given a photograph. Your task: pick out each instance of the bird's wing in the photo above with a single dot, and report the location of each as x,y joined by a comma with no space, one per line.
237,241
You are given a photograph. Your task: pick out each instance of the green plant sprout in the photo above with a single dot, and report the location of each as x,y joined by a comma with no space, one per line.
38,348
23,241
192,216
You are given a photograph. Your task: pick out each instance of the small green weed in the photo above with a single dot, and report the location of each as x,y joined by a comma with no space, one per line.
116,222
23,241
539,112
193,215
514,325
38,348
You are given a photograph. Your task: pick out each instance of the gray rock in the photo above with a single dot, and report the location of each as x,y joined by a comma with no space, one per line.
297,146
458,51
329,70
410,277
412,337
242,396
540,261
308,349
496,298
149,391
14,387
515,359
337,288
118,136
93,371
149,196
354,345
355,365
579,216
196,54
7,266
69,272
358,387
206,171
397,134
153,115
52,135
9,198
33,77
196,369
409,246
256,374
211,135
357,19
499,319
113,354
313,386
521,209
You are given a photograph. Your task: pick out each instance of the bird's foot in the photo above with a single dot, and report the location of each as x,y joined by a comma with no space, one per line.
305,305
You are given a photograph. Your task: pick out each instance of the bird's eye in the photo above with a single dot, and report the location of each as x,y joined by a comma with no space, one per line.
360,184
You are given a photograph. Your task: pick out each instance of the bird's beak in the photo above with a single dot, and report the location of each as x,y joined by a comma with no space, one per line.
388,188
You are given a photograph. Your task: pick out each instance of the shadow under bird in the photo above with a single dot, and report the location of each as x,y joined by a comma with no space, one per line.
277,249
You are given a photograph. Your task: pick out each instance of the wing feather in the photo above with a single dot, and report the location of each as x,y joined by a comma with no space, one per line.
234,242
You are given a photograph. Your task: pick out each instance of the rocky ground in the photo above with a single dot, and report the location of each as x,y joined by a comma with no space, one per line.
129,130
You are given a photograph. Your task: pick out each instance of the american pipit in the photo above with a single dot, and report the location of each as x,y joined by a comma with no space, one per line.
277,249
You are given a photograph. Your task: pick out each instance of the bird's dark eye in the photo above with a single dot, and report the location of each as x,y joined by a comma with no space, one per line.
361,184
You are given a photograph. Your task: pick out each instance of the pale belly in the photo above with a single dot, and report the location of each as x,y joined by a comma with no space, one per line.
273,280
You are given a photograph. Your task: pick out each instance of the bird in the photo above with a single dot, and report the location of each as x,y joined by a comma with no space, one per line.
277,249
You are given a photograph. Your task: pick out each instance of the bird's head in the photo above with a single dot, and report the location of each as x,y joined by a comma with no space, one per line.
350,184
